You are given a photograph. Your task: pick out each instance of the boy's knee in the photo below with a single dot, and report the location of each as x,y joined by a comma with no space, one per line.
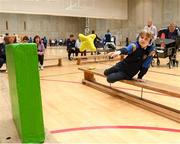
105,72
110,80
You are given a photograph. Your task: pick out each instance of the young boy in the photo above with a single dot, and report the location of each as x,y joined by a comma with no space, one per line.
139,57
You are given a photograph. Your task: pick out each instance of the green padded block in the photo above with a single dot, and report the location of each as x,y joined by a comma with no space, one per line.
24,85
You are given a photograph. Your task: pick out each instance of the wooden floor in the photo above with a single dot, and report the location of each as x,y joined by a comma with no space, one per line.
75,113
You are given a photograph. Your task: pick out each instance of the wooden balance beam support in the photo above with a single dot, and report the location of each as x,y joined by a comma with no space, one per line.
97,58
157,108
58,59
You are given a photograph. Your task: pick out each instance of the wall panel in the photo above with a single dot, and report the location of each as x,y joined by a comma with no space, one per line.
111,9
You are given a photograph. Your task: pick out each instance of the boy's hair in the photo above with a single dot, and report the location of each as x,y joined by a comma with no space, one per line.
146,33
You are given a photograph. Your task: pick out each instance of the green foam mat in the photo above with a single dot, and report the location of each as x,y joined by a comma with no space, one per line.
25,93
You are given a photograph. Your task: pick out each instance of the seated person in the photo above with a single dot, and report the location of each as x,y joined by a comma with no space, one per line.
108,44
71,46
139,57
172,32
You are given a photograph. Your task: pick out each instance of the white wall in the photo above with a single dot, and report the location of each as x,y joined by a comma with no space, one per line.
162,12
51,26
111,9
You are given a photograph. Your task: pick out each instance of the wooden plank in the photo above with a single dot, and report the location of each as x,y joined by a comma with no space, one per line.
105,56
91,56
159,109
154,86
96,58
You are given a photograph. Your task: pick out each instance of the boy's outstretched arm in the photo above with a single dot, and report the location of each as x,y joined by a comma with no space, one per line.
127,50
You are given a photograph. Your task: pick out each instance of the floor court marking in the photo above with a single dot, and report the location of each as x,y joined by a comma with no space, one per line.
60,74
115,127
62,81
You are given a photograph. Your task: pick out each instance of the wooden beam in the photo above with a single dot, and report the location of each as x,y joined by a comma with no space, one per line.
159,109
95,58
168,90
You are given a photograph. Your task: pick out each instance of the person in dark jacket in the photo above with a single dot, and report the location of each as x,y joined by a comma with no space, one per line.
96,41
108,43
3,42
2,51
71,46
139,57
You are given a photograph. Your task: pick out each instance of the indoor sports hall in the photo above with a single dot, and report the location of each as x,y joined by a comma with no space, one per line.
90,71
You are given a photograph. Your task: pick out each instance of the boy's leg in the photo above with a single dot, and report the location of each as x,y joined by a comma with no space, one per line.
110,70
116,76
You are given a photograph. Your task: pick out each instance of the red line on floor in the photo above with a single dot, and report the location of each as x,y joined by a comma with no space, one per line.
115,127
62,74
61,81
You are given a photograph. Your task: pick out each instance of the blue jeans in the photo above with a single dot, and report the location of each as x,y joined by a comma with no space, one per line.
116,73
